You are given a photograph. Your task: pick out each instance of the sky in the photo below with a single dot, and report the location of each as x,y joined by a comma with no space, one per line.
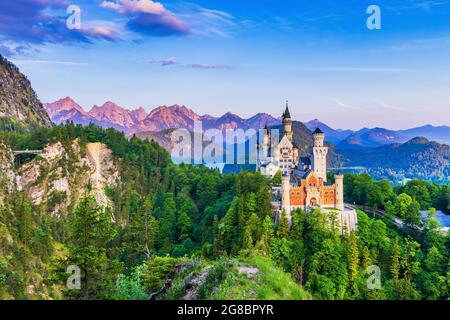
240,56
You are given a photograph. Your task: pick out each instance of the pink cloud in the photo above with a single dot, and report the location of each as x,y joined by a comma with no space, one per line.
148,17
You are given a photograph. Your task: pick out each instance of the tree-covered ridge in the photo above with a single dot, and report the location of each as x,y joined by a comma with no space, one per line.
417,158
190,232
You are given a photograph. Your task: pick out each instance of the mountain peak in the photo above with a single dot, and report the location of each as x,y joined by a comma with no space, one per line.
418,140
63,105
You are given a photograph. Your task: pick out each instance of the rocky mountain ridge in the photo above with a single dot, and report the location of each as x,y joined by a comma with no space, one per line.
18,100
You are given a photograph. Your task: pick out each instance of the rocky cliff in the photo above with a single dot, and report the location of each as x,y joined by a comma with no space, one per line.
7,174
18,99
60,174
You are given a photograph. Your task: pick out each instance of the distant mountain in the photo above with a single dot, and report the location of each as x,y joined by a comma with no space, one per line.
439,134
417,158
61,105
261,119
18,100
165,117
332,135
111,115
138,114
371,138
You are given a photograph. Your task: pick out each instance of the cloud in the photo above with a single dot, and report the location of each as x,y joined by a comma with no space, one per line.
346,106
148,17
391,107
40,62
359,69
166,62
173,61
207,22
208,66
36,22
414,5
10,50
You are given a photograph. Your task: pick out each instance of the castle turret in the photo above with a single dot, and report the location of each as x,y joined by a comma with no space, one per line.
266,141
287,122
339,192
320,152
285,195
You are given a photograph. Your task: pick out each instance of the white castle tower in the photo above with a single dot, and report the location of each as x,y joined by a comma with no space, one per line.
285,197
339,196
319,165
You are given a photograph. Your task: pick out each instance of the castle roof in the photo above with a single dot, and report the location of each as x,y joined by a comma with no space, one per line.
318,131
305,160
287,114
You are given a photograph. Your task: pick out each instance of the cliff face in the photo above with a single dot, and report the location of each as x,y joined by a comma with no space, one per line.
17,98
7,174
58,177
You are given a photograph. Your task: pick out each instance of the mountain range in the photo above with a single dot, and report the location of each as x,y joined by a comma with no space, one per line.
385,153
162,118
159,119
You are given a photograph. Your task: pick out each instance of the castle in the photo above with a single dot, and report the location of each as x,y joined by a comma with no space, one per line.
304,179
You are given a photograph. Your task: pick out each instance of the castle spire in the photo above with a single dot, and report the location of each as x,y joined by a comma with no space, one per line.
287,114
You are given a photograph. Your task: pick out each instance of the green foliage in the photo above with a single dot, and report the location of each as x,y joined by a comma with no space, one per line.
164,216
90,232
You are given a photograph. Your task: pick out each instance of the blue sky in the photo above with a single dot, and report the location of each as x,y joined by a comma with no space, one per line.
241,56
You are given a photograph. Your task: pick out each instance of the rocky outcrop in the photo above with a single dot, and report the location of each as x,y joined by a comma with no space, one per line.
18,99
7,174
59,175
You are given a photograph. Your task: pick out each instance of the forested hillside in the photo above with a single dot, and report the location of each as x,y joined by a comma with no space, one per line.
171,232
417,158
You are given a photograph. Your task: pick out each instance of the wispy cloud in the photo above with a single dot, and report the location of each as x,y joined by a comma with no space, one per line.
345,105
51,62
166,61
414,5
208,66
208,22
173,61
389,106
359,69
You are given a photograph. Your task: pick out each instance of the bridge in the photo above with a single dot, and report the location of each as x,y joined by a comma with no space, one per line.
399,223
35,152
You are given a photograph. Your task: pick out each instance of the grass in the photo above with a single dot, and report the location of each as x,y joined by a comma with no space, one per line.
270,283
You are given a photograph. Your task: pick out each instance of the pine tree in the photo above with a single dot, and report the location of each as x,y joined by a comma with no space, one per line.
298,221
90,232
353,263
184,226
395,264
167,223
283,226
366,258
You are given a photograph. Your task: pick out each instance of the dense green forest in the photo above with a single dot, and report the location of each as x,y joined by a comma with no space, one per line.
190,232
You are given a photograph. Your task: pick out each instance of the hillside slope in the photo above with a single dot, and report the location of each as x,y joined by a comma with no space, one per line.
417,158
18,99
